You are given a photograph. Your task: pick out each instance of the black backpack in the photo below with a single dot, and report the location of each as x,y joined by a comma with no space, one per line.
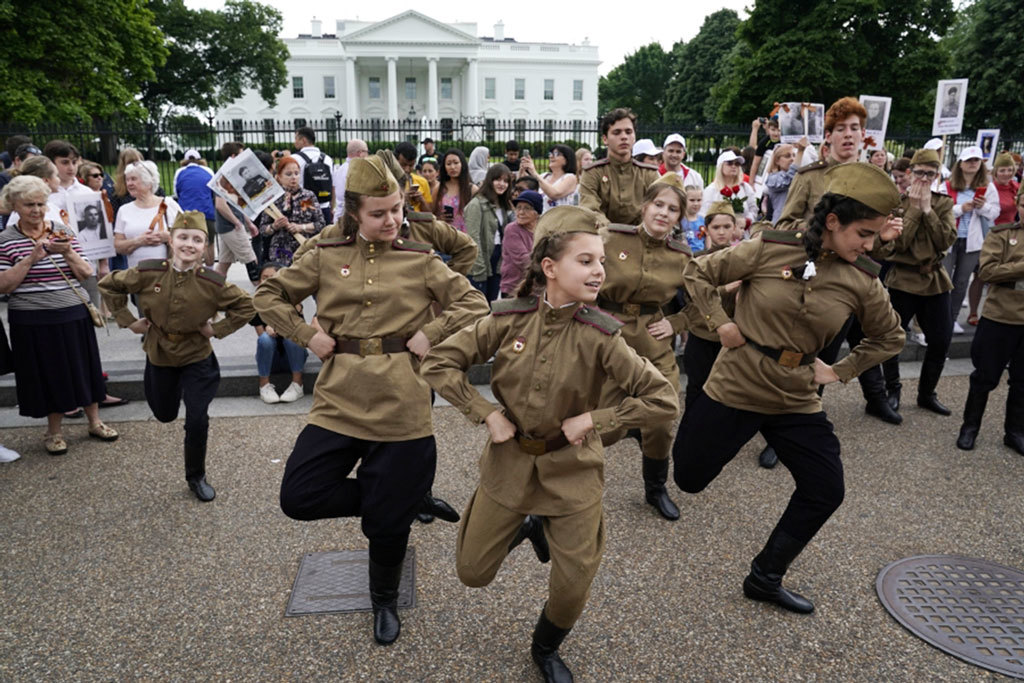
316,177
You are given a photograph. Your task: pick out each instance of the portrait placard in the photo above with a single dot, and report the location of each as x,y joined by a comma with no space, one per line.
245,183
988,140
797,119
878,116
950,98
90,221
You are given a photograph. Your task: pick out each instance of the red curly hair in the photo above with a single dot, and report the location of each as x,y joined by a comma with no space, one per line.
841,110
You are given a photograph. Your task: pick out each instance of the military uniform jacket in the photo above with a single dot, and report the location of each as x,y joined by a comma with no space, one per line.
644,270
1002,263
418,227
549,364
370,290
176,303
918,252
616,188
804,193
694,320
777,309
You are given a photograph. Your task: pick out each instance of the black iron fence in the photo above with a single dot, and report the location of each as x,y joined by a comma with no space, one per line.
167,143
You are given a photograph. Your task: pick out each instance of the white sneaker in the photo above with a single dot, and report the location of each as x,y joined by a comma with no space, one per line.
957,329
269,394
7,455
292,393
919,338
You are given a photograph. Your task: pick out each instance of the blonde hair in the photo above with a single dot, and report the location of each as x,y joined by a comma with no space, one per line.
23,187
779,150
39,167
128,155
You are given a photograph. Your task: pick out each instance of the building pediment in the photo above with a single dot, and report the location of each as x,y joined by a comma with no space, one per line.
410,27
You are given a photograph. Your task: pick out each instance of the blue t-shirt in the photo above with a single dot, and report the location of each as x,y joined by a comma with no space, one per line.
193,194
690,230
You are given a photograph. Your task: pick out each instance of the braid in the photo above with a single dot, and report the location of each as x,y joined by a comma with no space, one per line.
550,246
846,209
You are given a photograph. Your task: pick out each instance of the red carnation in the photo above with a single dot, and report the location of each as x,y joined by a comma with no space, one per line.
726,191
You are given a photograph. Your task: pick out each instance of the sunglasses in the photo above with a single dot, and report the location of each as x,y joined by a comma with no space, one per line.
95,175
735,162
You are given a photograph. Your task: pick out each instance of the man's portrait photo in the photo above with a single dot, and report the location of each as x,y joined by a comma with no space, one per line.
253,180
951,102
90,222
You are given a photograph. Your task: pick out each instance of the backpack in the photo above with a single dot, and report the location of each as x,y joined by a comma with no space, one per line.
316,177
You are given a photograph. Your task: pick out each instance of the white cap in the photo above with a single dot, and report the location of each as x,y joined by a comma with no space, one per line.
972,152
934,143
675,137
192,153
645,146
727,155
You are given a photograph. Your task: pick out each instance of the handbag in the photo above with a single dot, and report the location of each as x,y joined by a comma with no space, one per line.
97,318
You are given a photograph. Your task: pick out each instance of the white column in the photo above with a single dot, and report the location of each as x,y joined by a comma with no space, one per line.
392,89
351,88
432,89
472,89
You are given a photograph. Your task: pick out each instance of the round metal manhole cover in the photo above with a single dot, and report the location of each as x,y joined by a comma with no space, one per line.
967,607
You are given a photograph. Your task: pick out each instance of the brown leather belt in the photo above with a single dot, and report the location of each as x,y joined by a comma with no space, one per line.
375,346
787,359
931,268
628,309
541,446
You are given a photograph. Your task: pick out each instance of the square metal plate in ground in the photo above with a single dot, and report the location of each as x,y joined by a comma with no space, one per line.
338,582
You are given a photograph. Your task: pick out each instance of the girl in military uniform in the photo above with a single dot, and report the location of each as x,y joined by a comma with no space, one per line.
177,298
1000,337
799,288
644,272
374,293
552,355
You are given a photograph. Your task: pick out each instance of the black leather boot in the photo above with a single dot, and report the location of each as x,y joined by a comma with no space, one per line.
384,598
1014,423
879,406
435,507
764,582
926,397
546,640
768,458
195,471
893,387
655,476
872,385
532,528
974,408
894,395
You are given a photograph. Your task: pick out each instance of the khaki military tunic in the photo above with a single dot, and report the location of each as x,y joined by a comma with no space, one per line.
616,188
1002,263
918,252
418,227
694,321
549,365
370,291
807,188
779,310
176,303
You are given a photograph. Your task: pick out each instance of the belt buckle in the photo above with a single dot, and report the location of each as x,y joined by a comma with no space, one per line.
631,309
1019,285
790,359
533,446
174,336
371,347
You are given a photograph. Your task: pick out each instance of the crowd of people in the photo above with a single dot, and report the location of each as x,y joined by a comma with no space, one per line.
580,285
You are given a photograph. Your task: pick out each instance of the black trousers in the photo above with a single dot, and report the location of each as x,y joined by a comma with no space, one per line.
392,478
711,434
933,316
995,345
196,383
698,357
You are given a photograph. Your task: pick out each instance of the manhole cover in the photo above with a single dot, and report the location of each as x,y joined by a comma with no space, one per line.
967,607
337,582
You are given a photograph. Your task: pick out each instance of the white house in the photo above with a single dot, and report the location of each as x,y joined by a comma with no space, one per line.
414,68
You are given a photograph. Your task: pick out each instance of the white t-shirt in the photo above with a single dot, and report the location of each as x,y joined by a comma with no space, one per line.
340,177
132,222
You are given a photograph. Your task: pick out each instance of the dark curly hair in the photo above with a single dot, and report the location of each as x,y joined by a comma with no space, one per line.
846,209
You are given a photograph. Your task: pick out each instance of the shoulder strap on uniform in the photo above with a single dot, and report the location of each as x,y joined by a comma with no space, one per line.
678,245
783,237
211,275
422,216
596,318
627,229
336,242
153,264
866,265
522,304
599,162
819,164
403,244
643,165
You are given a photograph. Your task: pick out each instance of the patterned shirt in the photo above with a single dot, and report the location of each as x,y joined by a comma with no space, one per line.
44,288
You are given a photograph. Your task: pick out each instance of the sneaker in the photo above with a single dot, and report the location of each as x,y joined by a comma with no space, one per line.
269,394
919,338
957,329
292,393
7,455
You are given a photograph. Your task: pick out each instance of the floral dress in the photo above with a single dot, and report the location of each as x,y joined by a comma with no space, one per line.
459,220
299,206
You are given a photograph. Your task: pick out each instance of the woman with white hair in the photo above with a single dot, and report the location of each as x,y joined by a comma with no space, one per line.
141,227
729,186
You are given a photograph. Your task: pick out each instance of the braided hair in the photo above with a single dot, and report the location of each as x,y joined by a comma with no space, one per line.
846,209
550,246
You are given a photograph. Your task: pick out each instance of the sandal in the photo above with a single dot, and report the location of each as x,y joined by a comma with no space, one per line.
972,319
74,414
103,432
111,401
55,444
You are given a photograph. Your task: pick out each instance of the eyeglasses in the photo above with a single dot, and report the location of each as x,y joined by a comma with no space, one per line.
95,175
923,174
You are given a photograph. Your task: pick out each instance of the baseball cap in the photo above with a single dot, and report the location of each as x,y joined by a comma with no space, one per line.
934,143
645,146
972,152
727,155
675,137
192,153
532,198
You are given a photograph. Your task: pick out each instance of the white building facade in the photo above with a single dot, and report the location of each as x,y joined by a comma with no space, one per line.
414,68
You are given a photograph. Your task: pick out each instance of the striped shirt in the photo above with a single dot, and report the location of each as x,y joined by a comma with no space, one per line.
44,288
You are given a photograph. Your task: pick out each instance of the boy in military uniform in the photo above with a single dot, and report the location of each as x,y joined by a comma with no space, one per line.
177,298
615,185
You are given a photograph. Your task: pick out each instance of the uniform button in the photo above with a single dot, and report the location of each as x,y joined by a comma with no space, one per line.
369,281
808,289
466,411
543,359
368,303
611,422
597,426
371,260
548,333
798,235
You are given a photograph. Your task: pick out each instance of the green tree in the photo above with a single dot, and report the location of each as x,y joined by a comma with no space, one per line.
698,65
637,83
820,50
214,56
985,49
76,61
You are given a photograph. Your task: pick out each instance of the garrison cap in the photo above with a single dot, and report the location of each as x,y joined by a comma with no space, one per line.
566,219
866,183
388,157
370,176
191,220
671,179
718,208
1004,159
926,156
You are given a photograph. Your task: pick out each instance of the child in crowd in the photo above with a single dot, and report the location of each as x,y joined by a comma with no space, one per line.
693,222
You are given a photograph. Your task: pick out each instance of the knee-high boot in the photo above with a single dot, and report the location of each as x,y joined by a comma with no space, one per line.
546,640
195,470
655,476
1013,427
926,397
974,408
872,385
384,583
766,571
893,387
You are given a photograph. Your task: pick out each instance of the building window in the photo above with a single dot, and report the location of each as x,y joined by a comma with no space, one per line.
268,131
519,126
489,88
520,93
577,91
299,123
329,88
489,128
374,87
297,91
236,129
549,129
446,88
549,88
447,125
410,88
